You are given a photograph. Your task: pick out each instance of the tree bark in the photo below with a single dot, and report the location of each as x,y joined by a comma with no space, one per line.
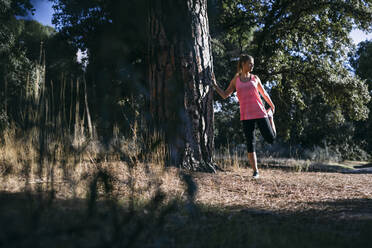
180,76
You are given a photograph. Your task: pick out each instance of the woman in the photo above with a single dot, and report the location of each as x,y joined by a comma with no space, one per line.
252,110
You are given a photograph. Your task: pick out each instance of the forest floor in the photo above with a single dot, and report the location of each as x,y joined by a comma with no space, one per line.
293,204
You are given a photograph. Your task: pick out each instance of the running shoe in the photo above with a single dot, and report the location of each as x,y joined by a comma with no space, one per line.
255,175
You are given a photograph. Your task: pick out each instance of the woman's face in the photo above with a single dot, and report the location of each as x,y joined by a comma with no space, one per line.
248,66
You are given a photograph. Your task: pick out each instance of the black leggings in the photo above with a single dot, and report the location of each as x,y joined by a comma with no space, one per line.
265,129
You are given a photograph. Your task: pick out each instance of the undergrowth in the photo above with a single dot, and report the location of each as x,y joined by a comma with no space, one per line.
55,194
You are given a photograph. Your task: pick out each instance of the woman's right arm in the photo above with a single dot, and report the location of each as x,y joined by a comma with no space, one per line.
225,94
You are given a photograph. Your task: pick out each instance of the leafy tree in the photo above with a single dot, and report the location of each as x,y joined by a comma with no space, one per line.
301,54
33,36
113,33
10,28
22,43
13,61
361,63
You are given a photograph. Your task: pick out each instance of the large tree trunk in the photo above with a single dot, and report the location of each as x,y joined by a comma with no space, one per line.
179,74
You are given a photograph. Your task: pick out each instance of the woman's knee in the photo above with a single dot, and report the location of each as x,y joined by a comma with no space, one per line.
251,147
267,131
250,142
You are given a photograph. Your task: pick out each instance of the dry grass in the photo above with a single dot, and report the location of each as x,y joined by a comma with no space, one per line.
285,186
277,191
281,191
295,194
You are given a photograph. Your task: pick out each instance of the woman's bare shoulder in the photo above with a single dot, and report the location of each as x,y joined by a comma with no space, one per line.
256,77
237,75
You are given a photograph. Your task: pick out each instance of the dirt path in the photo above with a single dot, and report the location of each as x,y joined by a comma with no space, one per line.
339,194
281,209
284,191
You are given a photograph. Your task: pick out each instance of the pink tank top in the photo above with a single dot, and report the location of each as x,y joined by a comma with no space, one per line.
251,106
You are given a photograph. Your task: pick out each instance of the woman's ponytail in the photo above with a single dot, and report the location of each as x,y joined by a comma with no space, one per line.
239,67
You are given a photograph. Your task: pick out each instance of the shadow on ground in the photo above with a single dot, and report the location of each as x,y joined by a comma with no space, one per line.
38,220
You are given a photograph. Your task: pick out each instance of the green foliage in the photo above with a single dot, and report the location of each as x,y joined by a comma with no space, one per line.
10,28
228,130
361,63
301,55
23,45
32,36
13,61
15,7
14,64
114,35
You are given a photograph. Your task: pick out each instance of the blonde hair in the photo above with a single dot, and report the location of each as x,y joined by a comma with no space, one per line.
242,59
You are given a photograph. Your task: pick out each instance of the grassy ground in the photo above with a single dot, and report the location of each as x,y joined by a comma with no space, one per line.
154,207
60,196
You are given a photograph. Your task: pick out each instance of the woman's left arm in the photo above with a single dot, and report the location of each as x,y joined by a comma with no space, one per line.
264,94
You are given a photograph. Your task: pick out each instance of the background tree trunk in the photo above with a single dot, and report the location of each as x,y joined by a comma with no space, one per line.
179,74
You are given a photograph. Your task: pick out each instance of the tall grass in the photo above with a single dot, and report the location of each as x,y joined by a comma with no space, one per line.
230,158
123,182
92,197
56,175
